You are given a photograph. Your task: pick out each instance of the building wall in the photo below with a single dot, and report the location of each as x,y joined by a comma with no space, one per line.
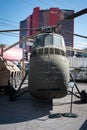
23,24
35,19
29,24
43,18
67,26
54,16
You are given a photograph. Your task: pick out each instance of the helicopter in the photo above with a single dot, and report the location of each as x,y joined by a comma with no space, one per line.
48,75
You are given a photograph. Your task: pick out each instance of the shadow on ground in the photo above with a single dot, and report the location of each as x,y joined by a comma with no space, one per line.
24,109
84,126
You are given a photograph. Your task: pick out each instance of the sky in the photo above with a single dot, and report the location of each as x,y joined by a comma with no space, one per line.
14,11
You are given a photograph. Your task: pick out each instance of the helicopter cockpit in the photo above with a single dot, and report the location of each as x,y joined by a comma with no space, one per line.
49,40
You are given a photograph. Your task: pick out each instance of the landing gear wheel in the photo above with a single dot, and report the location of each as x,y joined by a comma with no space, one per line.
12,91
71,115
83,96
12,94
55,115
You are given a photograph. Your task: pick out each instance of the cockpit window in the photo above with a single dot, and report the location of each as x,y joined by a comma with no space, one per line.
39,41
48,40
57,40
54,40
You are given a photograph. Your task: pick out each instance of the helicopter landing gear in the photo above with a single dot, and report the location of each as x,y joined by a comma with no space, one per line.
70,114
83,96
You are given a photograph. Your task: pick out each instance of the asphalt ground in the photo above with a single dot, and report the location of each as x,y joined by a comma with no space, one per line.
29,113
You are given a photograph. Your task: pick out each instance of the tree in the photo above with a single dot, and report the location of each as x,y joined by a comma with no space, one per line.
1,47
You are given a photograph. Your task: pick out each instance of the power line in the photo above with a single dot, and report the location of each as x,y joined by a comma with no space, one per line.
69,32
57,2
2,19
43,2
9,34
7,25
26,2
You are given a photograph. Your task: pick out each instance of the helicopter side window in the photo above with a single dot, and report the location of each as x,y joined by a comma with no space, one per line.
48,40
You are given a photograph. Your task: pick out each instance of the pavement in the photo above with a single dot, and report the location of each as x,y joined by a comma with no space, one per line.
29,113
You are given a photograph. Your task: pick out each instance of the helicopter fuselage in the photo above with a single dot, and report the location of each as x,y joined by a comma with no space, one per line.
49,69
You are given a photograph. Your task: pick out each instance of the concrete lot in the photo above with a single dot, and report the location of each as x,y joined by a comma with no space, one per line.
28,113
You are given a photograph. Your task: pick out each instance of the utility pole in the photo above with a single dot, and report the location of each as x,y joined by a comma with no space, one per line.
23,65
23,70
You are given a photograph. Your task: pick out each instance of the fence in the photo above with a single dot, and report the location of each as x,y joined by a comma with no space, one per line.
77,62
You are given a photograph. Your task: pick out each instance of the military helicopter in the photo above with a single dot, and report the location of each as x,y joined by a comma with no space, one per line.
48,75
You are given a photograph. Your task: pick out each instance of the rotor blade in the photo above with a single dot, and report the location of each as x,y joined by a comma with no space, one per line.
78,35
15,30
19,42
77,14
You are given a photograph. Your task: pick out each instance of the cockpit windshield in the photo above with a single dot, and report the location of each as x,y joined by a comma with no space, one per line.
48,40
39,41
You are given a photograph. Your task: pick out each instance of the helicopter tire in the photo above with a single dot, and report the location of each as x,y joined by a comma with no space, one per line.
12,91
83,96
12,94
